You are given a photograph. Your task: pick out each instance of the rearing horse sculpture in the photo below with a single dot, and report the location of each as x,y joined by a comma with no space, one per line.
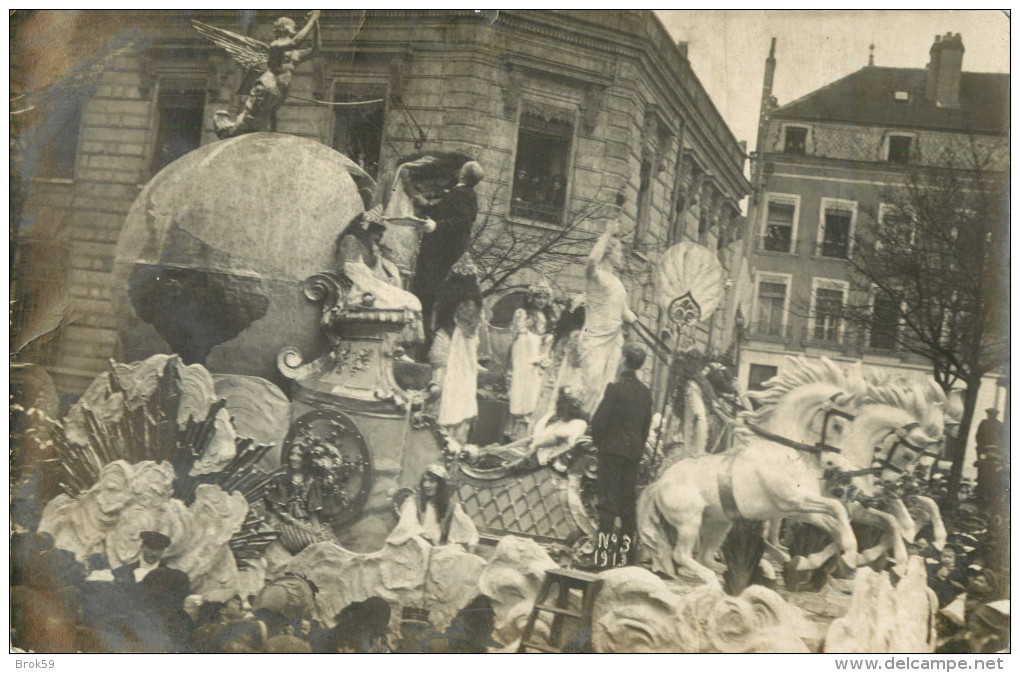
758,479
813,429
895,426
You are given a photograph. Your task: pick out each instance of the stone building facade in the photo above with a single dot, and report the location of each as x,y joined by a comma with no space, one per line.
824,164
599,102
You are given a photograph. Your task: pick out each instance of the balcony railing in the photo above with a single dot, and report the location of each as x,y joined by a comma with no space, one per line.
536,211
826,334
768,330
775,243
835,249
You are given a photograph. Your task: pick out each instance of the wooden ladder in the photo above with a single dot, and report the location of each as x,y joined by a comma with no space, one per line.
565,580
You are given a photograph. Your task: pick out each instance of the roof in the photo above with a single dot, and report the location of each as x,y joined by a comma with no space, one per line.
866,97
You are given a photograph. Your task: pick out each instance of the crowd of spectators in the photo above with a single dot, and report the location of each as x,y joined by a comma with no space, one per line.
56,607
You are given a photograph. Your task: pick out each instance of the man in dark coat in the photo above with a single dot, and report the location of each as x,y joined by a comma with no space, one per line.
149,597
619,429
454,214
989,432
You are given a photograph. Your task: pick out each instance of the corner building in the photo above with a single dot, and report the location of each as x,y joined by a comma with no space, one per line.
601,102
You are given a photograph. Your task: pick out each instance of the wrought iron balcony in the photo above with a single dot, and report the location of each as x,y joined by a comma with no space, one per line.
536,211
834,249
824,334
775,243
769,330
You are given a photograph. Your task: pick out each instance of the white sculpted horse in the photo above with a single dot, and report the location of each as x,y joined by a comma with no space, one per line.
916,404
816,419
759,478
895,426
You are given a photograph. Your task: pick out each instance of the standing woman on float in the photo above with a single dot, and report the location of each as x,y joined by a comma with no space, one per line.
601,341
531,337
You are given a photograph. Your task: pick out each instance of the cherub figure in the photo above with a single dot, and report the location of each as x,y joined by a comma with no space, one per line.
268,70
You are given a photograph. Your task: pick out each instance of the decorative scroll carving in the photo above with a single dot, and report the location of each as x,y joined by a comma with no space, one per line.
514,79
656,137
594,101
363,342
547,113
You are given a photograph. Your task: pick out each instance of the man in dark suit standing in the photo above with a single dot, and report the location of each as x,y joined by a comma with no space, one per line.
619,429
454,214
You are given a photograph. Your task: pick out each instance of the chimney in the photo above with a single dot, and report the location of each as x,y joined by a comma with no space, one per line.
943,82
770,72
766,94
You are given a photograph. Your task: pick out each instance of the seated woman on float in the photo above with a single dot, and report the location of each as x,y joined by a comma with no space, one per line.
434,514
360,257
554,435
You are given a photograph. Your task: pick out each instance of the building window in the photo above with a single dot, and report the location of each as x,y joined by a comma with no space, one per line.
899,149
827,311
885,319
898,228
795,140
771,312
180,125
757,375
779,226
358,131
540,172
837,229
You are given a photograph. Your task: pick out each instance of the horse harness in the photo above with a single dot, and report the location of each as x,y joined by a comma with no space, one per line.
836,478
818,448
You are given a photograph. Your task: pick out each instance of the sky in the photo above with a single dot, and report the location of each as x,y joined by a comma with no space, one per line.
727,49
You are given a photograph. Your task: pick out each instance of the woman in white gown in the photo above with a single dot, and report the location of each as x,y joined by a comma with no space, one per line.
528,350
454,351
376,280
601,341
434,515
562,354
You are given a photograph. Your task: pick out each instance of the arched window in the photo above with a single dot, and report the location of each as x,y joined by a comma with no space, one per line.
503,310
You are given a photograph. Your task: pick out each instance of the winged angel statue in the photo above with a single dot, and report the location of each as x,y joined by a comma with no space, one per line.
268,69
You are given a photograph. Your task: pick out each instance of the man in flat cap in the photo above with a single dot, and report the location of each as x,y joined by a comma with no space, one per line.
619,429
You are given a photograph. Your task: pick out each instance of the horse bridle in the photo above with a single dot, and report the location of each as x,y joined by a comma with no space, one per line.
821,446
879,463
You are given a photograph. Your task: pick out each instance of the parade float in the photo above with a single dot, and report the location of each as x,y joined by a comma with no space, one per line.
260,368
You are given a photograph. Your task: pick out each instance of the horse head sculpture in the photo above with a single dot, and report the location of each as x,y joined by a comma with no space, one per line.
897,424
811,402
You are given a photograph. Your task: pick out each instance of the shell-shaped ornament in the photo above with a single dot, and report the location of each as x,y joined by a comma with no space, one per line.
689,282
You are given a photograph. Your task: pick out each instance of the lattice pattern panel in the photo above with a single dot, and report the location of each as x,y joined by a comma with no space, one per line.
533,504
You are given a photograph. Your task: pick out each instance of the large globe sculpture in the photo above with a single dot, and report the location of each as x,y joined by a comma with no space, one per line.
211,258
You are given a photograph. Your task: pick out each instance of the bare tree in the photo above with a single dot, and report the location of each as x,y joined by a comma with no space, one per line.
502,248
930,273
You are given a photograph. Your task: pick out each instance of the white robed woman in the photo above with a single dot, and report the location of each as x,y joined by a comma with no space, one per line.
376,280
528,353
434,514
555,434
454,352
601,340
